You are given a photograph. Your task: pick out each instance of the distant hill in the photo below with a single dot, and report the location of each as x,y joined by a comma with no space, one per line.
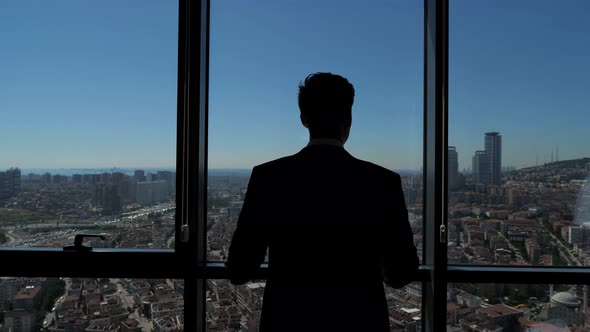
565,170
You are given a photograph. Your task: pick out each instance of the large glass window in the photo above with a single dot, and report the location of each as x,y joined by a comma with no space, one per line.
89,145
88,130
89,140
254,75
259,53
518,162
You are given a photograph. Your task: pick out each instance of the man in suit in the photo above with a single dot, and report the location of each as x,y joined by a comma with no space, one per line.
336,227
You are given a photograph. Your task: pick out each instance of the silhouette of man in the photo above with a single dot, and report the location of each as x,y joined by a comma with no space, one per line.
336,227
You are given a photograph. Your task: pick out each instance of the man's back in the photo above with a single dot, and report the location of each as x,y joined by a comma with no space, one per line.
336,228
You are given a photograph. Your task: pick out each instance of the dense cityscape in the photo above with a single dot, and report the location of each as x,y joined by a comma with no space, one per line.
535,216
131,210
497,216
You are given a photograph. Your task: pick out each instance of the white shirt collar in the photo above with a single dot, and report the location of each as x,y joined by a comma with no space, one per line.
325,141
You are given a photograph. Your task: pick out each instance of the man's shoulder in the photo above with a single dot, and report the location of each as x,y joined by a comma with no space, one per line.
376,170
276,164
361,166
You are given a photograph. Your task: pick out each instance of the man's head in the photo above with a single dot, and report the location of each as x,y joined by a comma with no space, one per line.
325,102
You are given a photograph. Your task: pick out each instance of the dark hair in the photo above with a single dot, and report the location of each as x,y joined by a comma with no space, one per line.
325,100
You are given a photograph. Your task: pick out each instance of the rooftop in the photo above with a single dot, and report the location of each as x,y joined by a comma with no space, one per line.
28,292
565,298
499,310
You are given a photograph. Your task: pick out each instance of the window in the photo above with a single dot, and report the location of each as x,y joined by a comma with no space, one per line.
89,131
89,91
74,60
254,71
516,170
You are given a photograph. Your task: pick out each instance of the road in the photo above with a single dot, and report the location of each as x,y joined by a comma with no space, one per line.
11,237
62,228
566,251
515,250
128,301
51,315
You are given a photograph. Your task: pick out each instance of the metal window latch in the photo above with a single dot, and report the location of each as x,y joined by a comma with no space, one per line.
443,234
79,239
184,233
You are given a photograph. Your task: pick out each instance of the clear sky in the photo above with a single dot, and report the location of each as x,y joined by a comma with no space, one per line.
93,83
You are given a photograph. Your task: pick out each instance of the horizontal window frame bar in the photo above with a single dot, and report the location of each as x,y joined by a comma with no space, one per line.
5,250
518,275
139,263
55,262
217,270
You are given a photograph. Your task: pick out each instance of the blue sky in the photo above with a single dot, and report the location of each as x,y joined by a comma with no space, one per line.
520,68
93,84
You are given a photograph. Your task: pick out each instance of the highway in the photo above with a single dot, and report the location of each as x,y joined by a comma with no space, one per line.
63,229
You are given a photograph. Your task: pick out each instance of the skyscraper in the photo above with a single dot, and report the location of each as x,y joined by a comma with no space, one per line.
493,151
152,192
139,175
10,183
487,164
106,196
453,167
480,171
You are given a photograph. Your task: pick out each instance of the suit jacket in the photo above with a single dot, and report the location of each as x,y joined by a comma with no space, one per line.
336,228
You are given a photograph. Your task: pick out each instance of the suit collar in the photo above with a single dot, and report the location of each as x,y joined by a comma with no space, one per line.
325,141
324,150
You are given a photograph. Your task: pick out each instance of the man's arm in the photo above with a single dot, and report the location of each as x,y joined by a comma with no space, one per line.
400,261
248,246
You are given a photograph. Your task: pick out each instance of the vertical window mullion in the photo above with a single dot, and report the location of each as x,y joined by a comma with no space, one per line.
197,114
193,85
201,282
435,149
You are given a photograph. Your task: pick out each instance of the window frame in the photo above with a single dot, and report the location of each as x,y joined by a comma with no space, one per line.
145,263
454,273
188,260
435,273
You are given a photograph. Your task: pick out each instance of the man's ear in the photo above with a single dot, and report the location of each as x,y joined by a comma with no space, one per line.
304,121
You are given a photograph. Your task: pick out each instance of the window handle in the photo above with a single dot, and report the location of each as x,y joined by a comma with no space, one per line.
184,233
79,239
443,234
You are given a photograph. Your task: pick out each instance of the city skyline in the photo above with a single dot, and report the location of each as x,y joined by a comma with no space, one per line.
454,158
77,95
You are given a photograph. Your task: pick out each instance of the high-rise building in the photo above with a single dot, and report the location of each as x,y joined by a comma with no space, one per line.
77,178
91,178
453,167
46,178
57,178
151,177
106,196
480,171
169,177
152,192
20,320
487,164
493,150
128,189
10,183
139,175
